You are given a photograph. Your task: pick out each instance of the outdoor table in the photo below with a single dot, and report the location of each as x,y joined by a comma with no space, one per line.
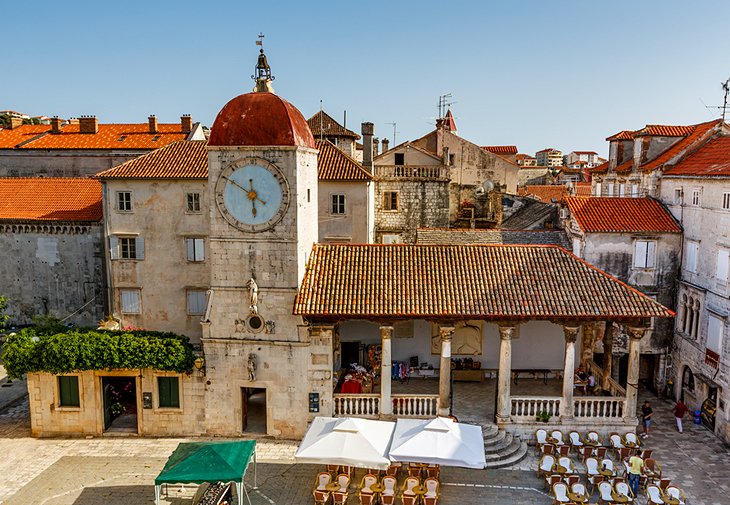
553,441
332,487
560,469
419,490
592,443
606,472
579,498
631,445
377,488
619,498
670,500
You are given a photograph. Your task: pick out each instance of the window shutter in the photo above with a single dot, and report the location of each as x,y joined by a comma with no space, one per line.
640,254
598,189
714,334
650,254
723,262
114,247
139,245
68,387
163,389
190,246
199,249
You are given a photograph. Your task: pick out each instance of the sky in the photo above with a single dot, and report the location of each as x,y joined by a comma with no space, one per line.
536,74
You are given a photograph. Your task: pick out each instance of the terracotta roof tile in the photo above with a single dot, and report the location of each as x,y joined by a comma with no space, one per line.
664,130
491,236
544,193
622,135
465,282
185,159
10,138
50,199
110,136
621,215
603,167
322,124
698,131
583,189
501,149
334,165
710,160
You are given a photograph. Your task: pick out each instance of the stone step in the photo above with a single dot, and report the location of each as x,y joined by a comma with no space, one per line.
499,444
506,451
489,430
512,458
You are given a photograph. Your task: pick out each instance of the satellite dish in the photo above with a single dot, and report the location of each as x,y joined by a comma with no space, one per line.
488,186
480,191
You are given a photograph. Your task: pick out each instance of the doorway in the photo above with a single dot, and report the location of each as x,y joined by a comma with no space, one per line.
350,353
120,404
253,410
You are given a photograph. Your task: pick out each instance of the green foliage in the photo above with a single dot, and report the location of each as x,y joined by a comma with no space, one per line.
3,316
85,349
45,324
543,416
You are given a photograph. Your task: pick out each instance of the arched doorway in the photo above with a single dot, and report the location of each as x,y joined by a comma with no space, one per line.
688,383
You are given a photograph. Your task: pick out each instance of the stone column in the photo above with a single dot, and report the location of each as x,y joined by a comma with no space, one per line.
566,404
504,377
445,332
607,364
386,402
587,341
632,377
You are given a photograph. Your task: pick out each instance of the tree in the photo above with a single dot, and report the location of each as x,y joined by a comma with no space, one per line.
3,316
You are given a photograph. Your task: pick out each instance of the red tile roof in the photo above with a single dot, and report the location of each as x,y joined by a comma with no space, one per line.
464,282
697,132
10,138
50,199
524,157
185,159
110,136
622,135
621,215
664,130
545,193
710,160
501,149
322,123
334,165
583,189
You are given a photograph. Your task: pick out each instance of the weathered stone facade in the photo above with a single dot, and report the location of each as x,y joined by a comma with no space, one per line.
65,262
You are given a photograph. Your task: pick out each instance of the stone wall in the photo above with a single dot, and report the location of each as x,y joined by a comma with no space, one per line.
61,162
53,268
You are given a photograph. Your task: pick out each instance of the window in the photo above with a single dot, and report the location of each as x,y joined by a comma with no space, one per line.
126,248
168,392
390,200
197,302
124,201
622,190
400,158
68,391
695,198
644,253
714,334
634,191
195,248
130,301
726,201
678,194
392,239
691,259
610,189
193,202
723,264
338,204
598,189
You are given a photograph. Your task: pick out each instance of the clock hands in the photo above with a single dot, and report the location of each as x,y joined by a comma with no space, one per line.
250,193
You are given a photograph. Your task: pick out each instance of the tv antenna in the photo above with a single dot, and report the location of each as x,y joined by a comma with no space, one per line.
724,107
444,103
394,131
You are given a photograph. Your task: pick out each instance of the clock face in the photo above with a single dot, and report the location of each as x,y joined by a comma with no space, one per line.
252,195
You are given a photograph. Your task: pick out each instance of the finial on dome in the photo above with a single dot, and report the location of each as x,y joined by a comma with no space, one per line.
263,76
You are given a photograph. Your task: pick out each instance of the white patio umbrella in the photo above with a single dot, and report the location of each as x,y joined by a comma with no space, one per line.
361,443
440,441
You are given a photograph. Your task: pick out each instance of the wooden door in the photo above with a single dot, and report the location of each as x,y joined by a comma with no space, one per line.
244,409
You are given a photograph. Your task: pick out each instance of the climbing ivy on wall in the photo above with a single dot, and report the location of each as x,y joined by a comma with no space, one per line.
86,349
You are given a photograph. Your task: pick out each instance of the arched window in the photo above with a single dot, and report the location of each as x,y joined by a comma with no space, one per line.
690,316
682,319
688,380
695,330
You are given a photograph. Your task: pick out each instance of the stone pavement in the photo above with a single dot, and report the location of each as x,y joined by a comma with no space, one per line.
119,471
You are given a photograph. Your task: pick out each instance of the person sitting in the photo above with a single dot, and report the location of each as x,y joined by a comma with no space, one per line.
591,383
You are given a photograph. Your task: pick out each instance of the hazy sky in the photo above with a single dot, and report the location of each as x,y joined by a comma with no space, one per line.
537,74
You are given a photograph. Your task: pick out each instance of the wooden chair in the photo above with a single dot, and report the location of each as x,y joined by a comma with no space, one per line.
594,436
558,436
550,480
563,450
645,453
433,471
578,489
595,480
631,438
344,481
623,489
332,469
320,493
616,441
607,463
585,452
545,466
431,496
605,491
572,479
652,470
367,482
320,497
366,498
677,494
600,452
393,469
547,449
560,493
664,484
565,462
575,442
408,499
540,439
624,453
414,470
387,496
409,484
339,498
653,495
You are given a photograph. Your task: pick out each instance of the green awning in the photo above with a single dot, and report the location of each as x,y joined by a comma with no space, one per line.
199,462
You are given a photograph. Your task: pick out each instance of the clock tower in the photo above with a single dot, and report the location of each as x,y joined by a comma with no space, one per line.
259,357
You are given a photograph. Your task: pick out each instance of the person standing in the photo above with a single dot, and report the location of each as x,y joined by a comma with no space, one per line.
635,466
646,413
680,409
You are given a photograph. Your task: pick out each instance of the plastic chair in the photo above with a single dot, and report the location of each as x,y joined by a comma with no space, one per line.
431,495
546,465
653,495
560,493
605,491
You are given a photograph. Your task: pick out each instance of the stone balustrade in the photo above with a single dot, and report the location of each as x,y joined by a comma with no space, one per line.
411,172
614,388
598,407
415,405
357,405
526,408
369,405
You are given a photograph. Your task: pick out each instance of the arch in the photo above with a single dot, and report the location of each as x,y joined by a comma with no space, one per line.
682,319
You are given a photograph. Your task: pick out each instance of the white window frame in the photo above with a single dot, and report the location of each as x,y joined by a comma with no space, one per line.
715,333
645,253
692,250
338,204
722,266
611,189
130,300
622,190
195,249
634,191
124,201
678,195
192,203
115,247
696,200
196,302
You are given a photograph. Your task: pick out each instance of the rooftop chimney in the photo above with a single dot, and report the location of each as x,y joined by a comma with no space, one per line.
376,145
153,123
55,125
88,124
186,121
367,130
385,143
16,122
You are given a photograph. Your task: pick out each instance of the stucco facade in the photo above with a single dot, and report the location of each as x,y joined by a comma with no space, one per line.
356,224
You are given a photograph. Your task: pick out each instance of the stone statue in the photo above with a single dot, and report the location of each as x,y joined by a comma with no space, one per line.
253,290
251,367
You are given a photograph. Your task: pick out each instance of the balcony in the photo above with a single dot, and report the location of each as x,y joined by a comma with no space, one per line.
412,172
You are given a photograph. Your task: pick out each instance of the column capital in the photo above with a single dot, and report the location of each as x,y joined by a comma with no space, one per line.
636,332
571,332
507,330
446,332
386,332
